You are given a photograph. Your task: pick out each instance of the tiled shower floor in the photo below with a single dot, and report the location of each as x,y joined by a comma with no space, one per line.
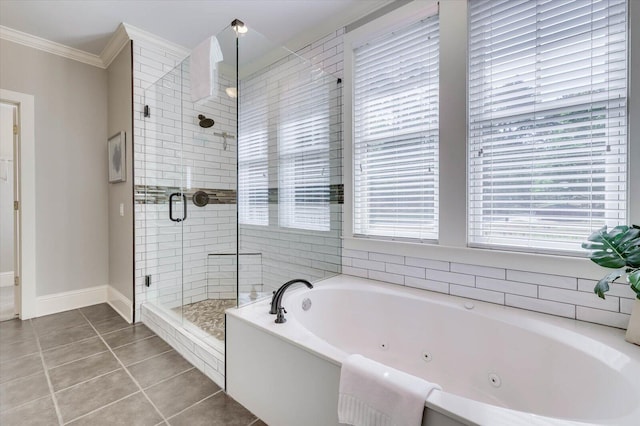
208,315
90,367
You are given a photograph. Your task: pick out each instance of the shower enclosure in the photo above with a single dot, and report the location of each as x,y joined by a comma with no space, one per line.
241,192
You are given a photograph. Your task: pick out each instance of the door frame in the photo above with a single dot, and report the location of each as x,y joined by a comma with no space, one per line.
25,178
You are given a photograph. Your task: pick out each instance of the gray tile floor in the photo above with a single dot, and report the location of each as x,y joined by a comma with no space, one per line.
90,367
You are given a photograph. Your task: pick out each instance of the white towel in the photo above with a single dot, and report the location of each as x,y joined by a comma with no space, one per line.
203,69
373,394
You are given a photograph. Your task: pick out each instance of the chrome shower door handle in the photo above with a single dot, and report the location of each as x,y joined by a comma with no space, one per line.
184,206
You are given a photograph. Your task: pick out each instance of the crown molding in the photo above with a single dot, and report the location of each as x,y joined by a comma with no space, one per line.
49,46
116,43
137,34
118,40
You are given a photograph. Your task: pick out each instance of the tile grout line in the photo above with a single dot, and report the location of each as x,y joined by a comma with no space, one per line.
201,401
194,404
67,344
88,380
100,408
116,330
151,357
79,359
46,374
20,378
120,329
17,407
59,329
110,318
127,371
172,376
136,341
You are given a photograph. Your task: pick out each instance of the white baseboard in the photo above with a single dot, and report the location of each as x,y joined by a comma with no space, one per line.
120,303
60,302
6,279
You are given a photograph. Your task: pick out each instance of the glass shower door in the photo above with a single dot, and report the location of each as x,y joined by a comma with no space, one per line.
164,205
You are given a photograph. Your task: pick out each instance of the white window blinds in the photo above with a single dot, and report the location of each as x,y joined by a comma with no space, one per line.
547,121
303,152
253,156
396,133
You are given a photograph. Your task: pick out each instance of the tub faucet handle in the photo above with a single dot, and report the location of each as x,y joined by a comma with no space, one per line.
280,316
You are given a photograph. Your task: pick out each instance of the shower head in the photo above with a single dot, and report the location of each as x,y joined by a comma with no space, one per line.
205,122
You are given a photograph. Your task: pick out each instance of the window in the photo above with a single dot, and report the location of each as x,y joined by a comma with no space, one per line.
547,121
304,150
396,133
253,157
288,126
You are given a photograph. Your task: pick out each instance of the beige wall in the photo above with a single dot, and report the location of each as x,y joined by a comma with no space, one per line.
121,227
71,165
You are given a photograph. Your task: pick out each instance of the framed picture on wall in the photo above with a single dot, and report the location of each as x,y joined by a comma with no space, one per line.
117,158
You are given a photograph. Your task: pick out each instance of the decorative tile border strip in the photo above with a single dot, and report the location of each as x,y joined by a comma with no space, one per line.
336,194
154,194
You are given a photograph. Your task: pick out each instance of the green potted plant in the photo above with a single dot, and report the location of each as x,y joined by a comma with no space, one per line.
619,249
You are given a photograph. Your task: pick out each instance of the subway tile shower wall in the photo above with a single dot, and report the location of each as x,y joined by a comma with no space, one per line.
563,296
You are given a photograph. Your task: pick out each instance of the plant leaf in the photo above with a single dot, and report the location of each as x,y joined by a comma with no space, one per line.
603,285
616,248
633,257
634,281
608,260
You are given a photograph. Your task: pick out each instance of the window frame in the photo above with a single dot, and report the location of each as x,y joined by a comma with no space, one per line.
540,107
402,16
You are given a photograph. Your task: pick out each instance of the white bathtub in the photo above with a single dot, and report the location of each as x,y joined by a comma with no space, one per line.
496,365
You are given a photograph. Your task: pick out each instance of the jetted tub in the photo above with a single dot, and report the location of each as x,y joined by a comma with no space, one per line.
496,365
